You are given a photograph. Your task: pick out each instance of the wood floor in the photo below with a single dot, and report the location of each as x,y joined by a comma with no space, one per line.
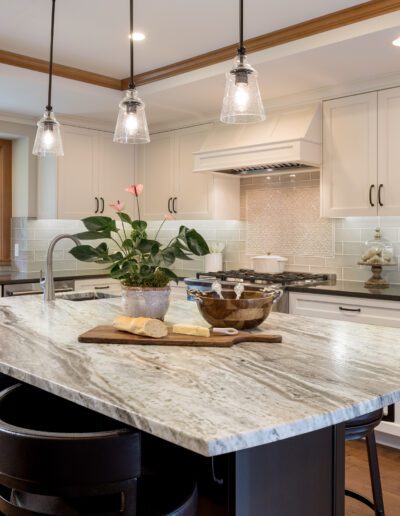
357,478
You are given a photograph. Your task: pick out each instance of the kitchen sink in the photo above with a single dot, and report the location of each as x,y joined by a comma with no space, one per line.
87,296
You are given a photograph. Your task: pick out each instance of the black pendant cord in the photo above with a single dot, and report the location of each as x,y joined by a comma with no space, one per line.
131,85
49,107
241,49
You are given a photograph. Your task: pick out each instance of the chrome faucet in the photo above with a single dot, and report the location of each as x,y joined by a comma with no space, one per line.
47,283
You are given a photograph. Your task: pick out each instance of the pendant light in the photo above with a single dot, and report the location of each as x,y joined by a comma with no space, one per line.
131,124
242,102
48,136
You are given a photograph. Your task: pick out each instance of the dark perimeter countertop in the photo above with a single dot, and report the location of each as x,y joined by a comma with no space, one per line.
350,289
13,278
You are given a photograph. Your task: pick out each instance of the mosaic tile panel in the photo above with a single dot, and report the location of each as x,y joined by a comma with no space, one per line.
286,221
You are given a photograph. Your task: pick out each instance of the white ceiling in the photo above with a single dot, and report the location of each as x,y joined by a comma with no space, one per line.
356,53
93,34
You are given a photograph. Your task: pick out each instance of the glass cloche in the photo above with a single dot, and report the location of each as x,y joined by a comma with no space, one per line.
378,251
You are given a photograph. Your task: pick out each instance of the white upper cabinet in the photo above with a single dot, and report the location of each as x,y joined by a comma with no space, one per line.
361,155
77,185
349,172
154,164
389,152
115,173
165,167
92,174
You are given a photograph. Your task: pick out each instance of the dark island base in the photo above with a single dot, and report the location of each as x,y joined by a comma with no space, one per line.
300,476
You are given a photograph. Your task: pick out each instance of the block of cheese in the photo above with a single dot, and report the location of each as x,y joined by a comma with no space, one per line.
189,329
141,326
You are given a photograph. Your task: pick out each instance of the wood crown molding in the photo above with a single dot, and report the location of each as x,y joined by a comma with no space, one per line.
295,32
69,72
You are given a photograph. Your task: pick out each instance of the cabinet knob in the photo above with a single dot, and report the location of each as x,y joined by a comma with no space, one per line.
97,205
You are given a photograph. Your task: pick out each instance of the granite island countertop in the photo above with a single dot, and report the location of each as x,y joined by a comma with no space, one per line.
209,400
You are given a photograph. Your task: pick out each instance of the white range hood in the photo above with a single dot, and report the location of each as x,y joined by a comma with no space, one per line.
287,141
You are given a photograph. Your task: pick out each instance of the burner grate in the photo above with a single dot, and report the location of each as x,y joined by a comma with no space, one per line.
250,276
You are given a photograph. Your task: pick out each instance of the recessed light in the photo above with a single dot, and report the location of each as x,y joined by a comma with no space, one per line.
396,42
137,36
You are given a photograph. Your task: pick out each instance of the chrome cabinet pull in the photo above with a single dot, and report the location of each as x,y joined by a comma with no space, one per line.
370,195
349,309
97,205
379,195
101,288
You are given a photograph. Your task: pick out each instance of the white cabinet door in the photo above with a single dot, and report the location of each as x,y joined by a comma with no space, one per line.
155,171
349,172
389,151
116,172
192,191
77,180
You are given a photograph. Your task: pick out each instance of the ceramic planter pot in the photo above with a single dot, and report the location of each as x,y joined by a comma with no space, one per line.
145,302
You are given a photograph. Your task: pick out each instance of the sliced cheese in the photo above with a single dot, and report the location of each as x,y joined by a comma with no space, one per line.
141,326
189,329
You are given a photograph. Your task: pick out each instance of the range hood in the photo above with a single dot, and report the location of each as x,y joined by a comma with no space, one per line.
287,141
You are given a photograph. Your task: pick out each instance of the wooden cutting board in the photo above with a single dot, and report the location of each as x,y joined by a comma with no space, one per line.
109,335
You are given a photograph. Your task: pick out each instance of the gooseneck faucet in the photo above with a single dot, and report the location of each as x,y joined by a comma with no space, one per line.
48,283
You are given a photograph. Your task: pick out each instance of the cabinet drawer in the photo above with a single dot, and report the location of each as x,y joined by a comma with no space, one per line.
106,284
343,308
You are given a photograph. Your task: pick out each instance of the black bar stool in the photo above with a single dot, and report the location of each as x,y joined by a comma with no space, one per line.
60,459
358,428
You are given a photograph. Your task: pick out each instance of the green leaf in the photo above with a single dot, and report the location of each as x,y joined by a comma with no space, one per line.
179,253
125,217
84,253
93,235
145,246
127,244
170,274
155,249
139,225
196,243
99,223
168,256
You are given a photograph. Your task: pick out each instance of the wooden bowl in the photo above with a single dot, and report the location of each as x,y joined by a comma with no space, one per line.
243,314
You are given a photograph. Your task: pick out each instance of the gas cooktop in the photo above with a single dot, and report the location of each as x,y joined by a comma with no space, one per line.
250,276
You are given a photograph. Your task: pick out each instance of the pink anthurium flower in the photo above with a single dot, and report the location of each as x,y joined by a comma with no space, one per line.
118,206
135,190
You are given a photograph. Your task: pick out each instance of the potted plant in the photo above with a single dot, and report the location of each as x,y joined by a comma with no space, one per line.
142,264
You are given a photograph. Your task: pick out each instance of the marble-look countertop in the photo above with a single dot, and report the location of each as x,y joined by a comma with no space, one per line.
209,400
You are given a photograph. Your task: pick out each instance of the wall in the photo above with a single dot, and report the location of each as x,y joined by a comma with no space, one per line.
34,236
297,226
278,215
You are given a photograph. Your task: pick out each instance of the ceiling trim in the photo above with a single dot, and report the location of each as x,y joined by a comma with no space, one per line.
335,20
331,21
69,72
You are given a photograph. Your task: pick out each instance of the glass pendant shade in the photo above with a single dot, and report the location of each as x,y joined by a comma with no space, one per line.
242,103
131,124
48,137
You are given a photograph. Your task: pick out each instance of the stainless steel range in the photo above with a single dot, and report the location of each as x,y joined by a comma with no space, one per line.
256,281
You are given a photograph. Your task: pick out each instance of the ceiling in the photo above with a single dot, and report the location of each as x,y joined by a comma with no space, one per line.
93,34
97,40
